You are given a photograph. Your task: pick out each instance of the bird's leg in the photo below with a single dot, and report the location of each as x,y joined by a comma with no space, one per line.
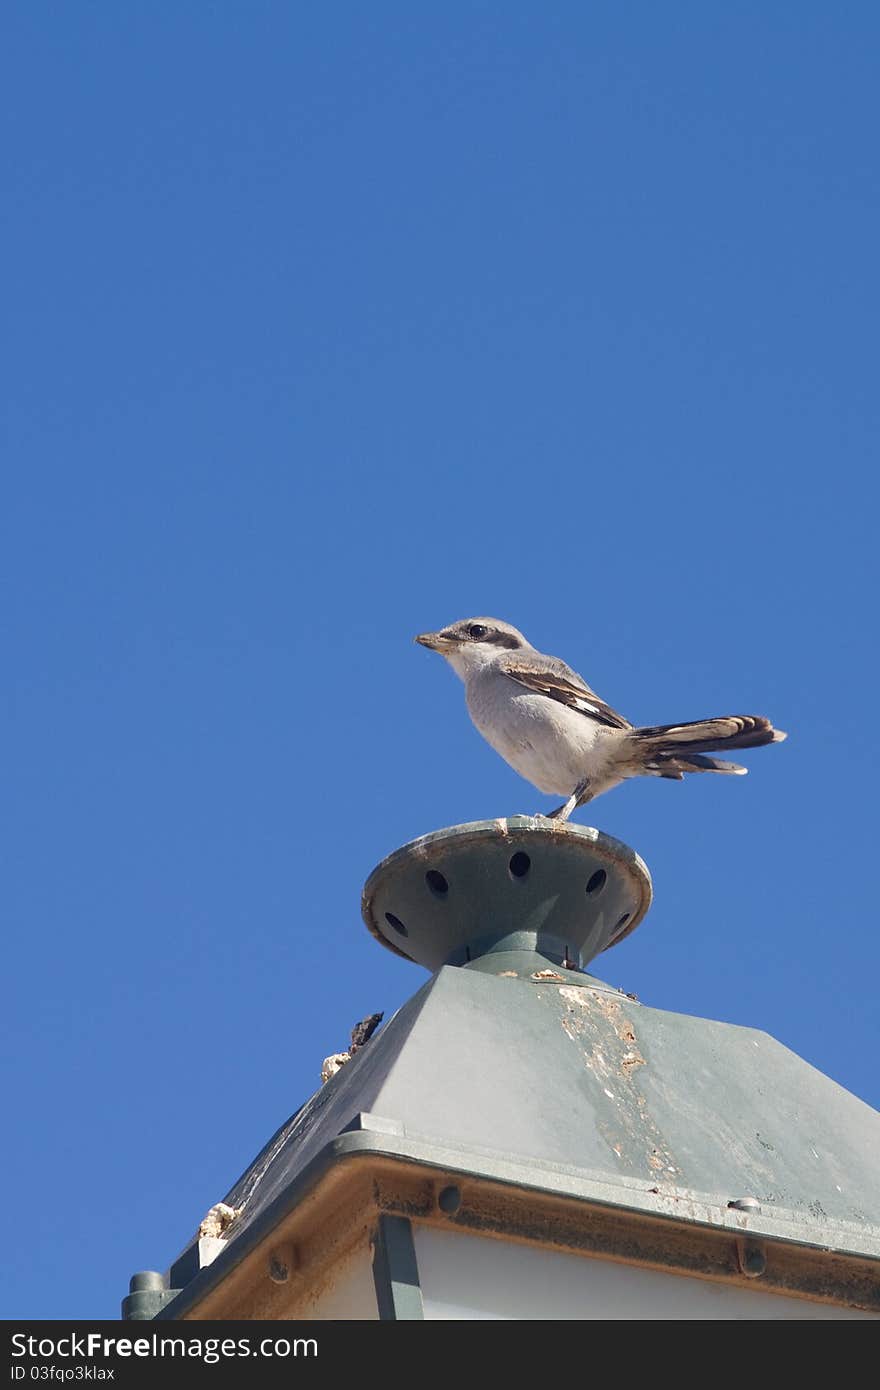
579,796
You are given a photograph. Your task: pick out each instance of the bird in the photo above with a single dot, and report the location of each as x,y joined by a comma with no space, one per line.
557,733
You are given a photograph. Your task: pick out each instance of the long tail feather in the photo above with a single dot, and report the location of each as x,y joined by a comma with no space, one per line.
670,765
706,735
671,750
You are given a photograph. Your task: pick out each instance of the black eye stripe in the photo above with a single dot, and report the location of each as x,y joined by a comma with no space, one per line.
478,632
481,632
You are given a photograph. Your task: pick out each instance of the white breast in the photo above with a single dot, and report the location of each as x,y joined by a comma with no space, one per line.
552,746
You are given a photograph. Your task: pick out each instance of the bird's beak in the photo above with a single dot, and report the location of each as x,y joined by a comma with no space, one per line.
435,640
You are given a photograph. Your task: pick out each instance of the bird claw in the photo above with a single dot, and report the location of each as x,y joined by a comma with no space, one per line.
578,797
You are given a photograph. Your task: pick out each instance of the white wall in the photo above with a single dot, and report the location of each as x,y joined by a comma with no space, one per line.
467,1276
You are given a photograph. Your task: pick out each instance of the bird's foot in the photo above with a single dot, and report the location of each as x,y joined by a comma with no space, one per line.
577,798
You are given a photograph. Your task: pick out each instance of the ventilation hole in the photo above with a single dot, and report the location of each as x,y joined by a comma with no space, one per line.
520,864
449,1200
597,882
623,921
396,923
437,883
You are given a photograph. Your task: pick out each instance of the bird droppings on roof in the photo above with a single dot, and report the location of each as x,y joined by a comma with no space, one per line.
217,1221
612,1055
331,1065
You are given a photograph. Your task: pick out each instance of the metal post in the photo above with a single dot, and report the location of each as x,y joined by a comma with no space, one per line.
395,1272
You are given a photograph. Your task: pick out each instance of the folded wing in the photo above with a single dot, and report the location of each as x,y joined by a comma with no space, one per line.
547,675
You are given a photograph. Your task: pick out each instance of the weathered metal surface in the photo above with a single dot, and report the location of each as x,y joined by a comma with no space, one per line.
522,1075
578,1091
566,891
332,1209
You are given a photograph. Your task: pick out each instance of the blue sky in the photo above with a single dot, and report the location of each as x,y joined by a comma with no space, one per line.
329,324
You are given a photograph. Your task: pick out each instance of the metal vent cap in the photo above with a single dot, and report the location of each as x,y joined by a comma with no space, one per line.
566,891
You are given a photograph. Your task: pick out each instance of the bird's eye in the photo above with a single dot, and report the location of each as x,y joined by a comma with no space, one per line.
477,630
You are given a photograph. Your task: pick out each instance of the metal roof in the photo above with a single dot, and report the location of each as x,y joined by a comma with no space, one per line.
515,1068
577,1088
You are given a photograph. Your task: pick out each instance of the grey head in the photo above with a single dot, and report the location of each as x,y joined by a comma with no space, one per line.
473,632
474,645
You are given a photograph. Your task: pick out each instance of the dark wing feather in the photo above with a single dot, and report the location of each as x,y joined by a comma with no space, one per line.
547,675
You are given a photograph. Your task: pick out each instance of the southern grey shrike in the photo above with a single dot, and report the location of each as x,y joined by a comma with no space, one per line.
548,724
